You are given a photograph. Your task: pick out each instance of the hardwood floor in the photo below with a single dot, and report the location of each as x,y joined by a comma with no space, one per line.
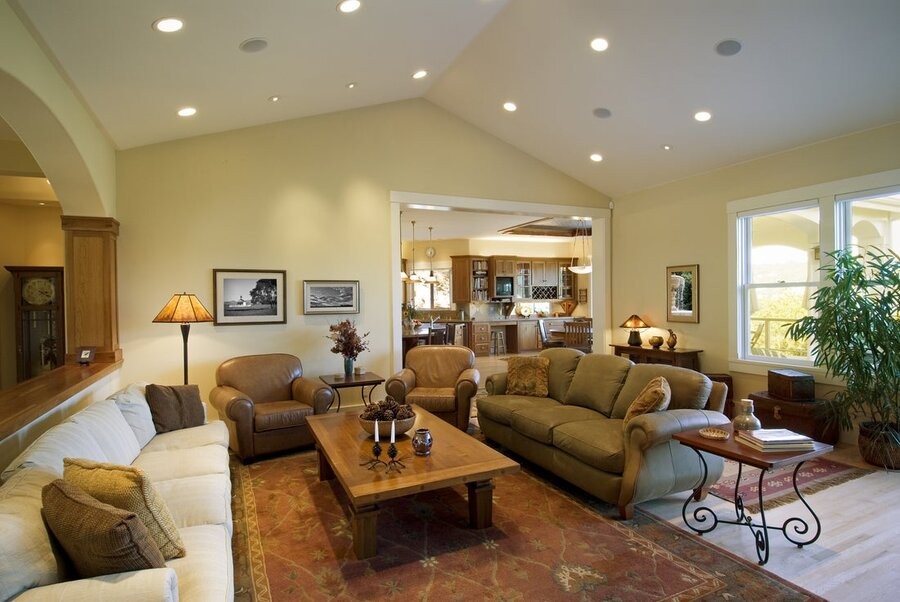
855,558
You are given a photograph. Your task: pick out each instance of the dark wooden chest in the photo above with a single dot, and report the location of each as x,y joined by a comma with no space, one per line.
798,416
791,385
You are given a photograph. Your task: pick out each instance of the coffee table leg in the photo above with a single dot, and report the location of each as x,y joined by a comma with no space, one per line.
480,504
364,522
326,473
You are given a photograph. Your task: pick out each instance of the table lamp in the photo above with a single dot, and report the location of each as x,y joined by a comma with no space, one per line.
185,309
634,322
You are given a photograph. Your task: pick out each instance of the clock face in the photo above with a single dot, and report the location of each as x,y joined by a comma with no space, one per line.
429,251
38,291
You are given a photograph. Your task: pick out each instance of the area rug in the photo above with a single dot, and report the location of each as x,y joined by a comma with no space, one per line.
778,489
292,541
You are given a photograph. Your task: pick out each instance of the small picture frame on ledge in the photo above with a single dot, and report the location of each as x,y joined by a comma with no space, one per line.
86,355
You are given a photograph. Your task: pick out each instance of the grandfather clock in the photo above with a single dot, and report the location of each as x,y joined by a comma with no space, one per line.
38,293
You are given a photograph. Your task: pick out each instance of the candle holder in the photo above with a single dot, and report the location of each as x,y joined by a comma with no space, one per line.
376,460
394,463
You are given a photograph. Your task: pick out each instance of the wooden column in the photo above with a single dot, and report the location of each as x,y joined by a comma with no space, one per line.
92,311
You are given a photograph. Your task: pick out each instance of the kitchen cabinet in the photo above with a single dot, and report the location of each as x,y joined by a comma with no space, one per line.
481,338
529,336
566,281
545,272
523,279
470,279
503,266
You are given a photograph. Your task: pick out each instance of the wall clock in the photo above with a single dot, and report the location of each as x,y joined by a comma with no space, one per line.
430,252
38,291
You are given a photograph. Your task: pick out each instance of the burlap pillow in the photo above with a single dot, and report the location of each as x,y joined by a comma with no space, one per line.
128,488
175,407
654,397
98,538
528,375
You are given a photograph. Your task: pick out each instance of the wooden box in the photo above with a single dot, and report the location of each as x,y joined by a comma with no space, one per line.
729,395
791,385
798,416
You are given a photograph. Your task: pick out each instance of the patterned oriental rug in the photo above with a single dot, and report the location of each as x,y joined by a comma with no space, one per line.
778,488
292,542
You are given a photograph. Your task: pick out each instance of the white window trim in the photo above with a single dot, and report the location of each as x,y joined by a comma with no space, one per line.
826,195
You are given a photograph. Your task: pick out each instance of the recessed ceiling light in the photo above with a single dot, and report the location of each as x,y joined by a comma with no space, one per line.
667,147
510,106
168,25
348,6
419,74
187,112
599,44
351,85
602,112
274,98
702,116
596,157
253,44
728,47
42,203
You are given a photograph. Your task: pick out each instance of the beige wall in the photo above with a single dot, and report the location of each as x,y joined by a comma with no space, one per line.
309,196
28,236
685,222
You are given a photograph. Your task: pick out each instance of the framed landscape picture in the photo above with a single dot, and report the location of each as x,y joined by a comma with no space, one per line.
683,294
331,296
249,297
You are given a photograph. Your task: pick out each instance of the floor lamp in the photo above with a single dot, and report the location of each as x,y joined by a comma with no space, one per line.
185,309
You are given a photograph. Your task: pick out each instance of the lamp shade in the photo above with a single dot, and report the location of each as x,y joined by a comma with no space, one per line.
183,308
634,321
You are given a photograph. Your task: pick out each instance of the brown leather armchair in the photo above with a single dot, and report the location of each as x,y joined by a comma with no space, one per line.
439,378
264,400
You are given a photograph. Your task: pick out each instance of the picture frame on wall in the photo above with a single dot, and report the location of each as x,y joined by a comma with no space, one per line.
683,293
331,296
249,297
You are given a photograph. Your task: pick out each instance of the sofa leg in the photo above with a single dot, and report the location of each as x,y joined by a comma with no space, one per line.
700,493
626,512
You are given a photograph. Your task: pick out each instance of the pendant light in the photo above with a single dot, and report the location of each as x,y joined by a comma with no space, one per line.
413,277
403,275
430,277
585,250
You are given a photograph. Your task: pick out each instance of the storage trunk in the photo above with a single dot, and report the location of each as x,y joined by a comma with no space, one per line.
798,416
791,385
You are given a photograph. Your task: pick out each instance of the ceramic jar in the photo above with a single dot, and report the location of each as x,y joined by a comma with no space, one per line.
421,442
672,340
656,341
744,419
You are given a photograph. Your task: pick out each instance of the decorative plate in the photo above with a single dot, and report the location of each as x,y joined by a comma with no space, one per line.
712,433
525,311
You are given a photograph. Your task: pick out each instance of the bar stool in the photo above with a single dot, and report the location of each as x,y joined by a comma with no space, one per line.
498,342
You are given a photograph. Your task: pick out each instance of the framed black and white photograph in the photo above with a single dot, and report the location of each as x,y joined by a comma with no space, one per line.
331,296
249,297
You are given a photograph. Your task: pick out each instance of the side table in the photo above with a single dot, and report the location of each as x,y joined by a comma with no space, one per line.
342,381
703,519
685,358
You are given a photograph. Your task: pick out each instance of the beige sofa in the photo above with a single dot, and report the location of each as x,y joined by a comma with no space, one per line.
189,469
578,432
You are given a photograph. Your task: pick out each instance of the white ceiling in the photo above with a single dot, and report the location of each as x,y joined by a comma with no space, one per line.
809,70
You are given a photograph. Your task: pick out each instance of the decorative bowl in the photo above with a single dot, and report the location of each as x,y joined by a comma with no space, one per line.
656,341
708,433
384,427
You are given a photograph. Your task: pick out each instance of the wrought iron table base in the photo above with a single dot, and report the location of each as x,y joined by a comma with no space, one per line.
795,529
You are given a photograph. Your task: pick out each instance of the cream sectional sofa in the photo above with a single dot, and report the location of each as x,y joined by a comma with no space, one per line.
578,432
189,469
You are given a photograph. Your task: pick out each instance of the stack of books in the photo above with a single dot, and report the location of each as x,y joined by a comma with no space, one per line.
775,440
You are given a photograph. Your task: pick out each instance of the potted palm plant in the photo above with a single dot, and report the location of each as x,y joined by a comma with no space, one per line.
854,329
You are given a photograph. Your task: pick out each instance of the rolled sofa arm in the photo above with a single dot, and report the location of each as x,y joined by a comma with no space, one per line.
658,427
148,585
400,384
313,392
496,384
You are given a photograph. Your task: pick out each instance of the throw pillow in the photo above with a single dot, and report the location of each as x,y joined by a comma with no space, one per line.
98,538
528,375
175,407
654,397
128,488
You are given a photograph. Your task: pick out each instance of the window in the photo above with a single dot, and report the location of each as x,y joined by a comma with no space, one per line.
779,242
433,295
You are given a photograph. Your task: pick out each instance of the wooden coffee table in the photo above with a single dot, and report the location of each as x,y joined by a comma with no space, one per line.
455,459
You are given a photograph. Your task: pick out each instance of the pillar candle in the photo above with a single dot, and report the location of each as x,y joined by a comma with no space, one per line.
376,431
393,425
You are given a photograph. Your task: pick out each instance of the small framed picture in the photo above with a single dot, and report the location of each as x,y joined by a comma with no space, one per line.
249,297
331,296
582,295
86,354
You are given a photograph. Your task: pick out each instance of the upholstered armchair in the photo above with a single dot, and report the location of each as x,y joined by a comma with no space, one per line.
439,378
264,400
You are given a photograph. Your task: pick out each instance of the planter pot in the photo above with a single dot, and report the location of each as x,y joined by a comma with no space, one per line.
880,445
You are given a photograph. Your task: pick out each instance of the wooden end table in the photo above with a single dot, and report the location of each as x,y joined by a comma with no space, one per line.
343,381
455,459
703,519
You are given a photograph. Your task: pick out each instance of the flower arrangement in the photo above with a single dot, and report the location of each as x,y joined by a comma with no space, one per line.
346,340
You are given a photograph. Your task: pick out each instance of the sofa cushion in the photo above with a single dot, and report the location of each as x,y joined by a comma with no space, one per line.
690,389
211,433
597,381
199,500
436,399
116,439
527,375
98,538
26,555
207,570
127,488
538,423
598,443
563,363
61,441
654,397
274,415
500,408
175,407
132,402
180,463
